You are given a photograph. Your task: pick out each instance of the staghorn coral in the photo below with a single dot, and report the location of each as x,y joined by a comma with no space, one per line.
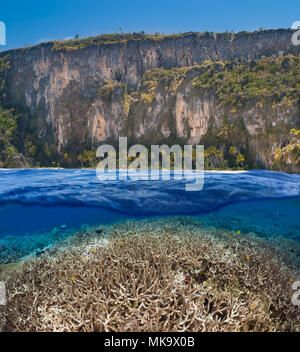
164,274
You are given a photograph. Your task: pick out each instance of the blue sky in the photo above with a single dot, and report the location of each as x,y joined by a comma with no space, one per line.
29,22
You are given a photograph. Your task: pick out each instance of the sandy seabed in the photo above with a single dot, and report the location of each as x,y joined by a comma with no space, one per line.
161,274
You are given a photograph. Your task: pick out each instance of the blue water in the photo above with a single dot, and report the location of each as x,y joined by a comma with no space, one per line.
50,204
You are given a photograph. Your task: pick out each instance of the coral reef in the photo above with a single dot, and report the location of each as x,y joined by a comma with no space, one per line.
14,248
163,274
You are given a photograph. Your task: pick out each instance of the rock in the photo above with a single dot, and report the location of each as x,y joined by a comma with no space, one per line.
60,87
18,161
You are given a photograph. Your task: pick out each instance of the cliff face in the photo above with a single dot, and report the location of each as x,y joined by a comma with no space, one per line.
76,97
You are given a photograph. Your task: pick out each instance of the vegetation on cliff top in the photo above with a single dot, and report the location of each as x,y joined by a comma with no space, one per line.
124,38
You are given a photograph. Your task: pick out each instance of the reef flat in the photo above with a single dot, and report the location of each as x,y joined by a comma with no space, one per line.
159,274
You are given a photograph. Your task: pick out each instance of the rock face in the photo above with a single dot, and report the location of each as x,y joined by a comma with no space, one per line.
18,161
81,97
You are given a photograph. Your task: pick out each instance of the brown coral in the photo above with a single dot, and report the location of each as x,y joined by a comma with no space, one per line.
96,284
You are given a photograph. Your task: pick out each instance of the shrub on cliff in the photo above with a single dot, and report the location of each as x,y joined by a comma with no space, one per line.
276,79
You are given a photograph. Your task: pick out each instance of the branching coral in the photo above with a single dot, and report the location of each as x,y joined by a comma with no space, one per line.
157,275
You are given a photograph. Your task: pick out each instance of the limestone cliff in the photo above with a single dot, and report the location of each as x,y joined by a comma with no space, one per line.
75,95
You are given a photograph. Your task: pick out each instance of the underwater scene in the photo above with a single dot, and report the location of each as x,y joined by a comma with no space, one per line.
44,206
124,248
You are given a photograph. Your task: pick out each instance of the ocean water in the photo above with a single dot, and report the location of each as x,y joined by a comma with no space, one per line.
41,206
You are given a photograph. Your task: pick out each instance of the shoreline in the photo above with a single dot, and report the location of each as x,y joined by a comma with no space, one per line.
115,170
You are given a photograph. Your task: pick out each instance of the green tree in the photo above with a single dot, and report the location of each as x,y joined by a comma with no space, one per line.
232,150
87,158
240,160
